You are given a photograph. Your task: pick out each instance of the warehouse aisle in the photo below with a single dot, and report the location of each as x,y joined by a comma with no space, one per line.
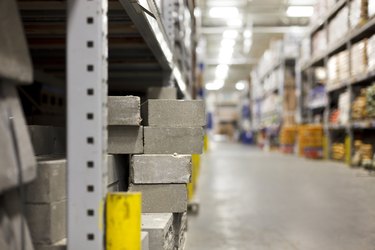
255,200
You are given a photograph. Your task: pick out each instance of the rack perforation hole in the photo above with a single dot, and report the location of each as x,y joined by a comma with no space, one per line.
90,164
90,20
90,91
90,44
90,188
90,116
90,67
90,212
90,140
90,236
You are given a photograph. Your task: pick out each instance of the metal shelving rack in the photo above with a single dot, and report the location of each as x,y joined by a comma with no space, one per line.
87,50
305,72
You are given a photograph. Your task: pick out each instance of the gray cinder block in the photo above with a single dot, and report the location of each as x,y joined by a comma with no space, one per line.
114,187
145,241
174,113
125,140
180,229
162,198
124,110
50,184
160,230
159,140
47,139
61,245
153,169
113,167
162,93
47,222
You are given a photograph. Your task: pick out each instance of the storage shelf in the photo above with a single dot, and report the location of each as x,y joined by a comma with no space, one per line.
330,14
352,36
353,81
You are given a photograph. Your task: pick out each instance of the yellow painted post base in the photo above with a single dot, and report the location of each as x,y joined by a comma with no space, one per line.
123,221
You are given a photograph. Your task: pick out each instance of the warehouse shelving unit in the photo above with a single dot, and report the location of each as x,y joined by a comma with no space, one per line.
83,51
343,133
267,124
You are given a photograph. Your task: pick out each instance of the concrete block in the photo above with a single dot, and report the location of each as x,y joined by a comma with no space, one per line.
159,169
160,230
162,198
145,241
173,140
47,222
50,184
48,139
61,245
125,140
162,93
114,187
124,110
180,229
174,113
113,169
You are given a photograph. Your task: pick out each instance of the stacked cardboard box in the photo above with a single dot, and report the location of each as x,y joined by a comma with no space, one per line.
371,53
358,12
338,27
343,61
371,8
319,42
359,58
333,70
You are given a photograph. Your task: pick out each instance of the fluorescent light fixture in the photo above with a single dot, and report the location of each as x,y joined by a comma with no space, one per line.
247,34
227,43
224,12
240,85
221,71
237,22
215,85
230,34
300,11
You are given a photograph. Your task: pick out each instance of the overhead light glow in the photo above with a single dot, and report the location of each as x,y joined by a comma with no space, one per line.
240,85
221,71
215,85
230,34
223,12
227,43
237,22
300,11
247,34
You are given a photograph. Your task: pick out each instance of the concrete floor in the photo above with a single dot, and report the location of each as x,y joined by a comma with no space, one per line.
255,200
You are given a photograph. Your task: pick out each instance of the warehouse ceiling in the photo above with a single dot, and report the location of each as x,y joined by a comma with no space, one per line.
253,24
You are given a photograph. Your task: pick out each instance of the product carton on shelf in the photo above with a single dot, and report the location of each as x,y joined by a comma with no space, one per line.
359,58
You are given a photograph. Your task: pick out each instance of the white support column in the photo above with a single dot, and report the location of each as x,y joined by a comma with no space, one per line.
87,53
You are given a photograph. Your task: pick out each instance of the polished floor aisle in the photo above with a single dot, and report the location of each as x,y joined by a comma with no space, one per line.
255,200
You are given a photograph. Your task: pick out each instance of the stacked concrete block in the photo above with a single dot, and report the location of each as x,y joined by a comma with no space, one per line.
162,93
145,241
173,126
180,230
46,201
125,135
61,245
160,230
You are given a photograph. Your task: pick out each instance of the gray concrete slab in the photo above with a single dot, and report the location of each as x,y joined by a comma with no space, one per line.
160,230
124,110
255,200
47,222
173,140
47,139
61,245
50,184
162,93
125,140
162,198
160,169
145,241
174,113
